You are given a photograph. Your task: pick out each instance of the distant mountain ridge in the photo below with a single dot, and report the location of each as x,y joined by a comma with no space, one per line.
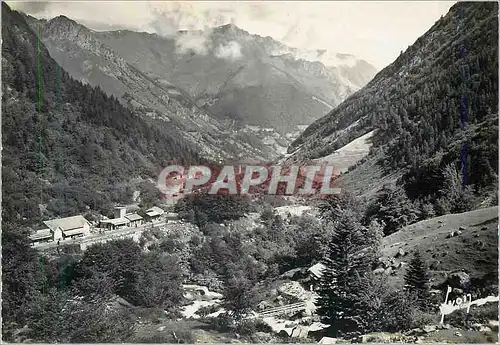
253,79
85,57
214,86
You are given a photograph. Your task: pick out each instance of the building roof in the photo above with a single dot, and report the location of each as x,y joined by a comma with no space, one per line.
155,211
172,215
291,273
116,221
133,217
317,270
73,232
68,223
328,340
41,234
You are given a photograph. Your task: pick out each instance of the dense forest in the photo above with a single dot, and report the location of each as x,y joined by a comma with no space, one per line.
435,105
67,147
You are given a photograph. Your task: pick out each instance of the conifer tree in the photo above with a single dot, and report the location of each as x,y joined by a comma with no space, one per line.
342,278
417,280
393,208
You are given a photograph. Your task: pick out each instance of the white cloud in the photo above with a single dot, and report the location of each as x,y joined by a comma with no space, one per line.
196,42
230,51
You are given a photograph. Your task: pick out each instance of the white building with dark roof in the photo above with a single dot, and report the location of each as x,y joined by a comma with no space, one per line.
42,235
121,219
61,229
114,223
134,218
68,227
154,213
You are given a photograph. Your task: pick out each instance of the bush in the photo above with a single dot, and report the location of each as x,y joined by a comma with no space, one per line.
267,215
222,323
246,327
477,314
396,313
149,314
420,319
201,209
261,326
71,249
185,337
204,311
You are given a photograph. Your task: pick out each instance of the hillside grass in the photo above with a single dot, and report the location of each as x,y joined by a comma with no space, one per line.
474,251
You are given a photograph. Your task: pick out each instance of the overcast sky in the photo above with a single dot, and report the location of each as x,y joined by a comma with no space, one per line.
374,31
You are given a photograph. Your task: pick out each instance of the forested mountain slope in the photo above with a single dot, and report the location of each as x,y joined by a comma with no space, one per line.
435,105
68,147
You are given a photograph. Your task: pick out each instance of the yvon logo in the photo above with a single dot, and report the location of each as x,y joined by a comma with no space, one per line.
464,302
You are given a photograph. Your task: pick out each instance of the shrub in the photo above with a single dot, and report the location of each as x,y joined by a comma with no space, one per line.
246,327
477,314
420,319
204,311
149,314
222,323
261,326
185,337
396,312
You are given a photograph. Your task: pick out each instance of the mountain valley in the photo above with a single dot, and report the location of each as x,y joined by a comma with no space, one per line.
211,86
90,118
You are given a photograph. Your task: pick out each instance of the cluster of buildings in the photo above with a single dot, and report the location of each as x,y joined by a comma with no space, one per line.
77,226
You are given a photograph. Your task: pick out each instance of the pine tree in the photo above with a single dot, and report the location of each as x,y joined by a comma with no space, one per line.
373,238
342,281
417,281
393,208
460,197
239,294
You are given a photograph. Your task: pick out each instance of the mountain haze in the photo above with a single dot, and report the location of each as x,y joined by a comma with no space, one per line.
205,84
